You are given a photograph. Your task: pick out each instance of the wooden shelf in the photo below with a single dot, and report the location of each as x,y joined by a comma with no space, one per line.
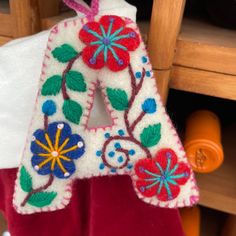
205,60
4,40
203,82
218,189
4,6
6,25
6,22
204,46
49,22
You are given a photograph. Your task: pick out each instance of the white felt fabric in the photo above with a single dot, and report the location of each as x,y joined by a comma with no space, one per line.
20,68
95,139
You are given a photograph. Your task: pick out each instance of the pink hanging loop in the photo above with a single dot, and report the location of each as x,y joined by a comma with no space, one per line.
89,12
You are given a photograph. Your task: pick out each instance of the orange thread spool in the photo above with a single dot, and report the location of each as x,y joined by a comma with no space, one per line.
203,141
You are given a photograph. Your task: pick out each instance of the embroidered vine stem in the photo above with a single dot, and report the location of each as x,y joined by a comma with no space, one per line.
135,90
45,122
68,68
130,127
37,190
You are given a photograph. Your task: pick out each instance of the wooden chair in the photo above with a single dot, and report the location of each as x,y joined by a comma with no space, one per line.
191,55
20,18
195,56
164,30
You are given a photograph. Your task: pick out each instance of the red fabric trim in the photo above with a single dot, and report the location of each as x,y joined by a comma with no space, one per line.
101,206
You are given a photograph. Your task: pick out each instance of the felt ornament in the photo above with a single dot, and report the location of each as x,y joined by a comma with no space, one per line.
83,55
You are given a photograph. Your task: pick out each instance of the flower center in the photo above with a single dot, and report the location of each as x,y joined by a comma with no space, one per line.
54,153
106,41
163,177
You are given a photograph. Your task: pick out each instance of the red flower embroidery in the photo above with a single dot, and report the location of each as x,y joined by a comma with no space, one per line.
108,43
161,176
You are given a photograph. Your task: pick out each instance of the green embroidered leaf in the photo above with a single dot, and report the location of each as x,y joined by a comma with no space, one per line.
75,81
72,111
52,86
25,180
151,135
42,199
64,53
118,99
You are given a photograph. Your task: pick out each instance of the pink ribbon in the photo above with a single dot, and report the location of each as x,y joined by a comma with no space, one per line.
89,12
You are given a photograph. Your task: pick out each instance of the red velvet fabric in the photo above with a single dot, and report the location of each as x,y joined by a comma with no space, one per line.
104,206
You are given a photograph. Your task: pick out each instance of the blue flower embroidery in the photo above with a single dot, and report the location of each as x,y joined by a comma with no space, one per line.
55,149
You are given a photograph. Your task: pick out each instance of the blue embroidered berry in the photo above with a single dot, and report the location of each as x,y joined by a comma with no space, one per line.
138,75
149,106
98,153
49,108
129,166
148,73
113,170
121,132
144,59
107,135
102,166
131,152
120,159
111,154
117,145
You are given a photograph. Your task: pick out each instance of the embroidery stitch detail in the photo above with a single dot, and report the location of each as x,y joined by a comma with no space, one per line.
108,43
55,149
150,135
140,126
74,80
161,176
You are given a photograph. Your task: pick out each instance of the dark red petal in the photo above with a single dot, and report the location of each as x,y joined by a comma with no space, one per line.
147,192
163,195
118,22
182,169
88,54
122,63
130,43
87,37
148,165
162,158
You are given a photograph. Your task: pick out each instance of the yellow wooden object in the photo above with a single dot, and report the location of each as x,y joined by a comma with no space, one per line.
191,221
203,141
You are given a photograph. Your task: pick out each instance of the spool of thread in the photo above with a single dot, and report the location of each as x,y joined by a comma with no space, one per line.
203,141
191,218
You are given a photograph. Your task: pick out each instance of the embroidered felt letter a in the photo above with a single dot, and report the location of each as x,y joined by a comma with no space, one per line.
81,56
